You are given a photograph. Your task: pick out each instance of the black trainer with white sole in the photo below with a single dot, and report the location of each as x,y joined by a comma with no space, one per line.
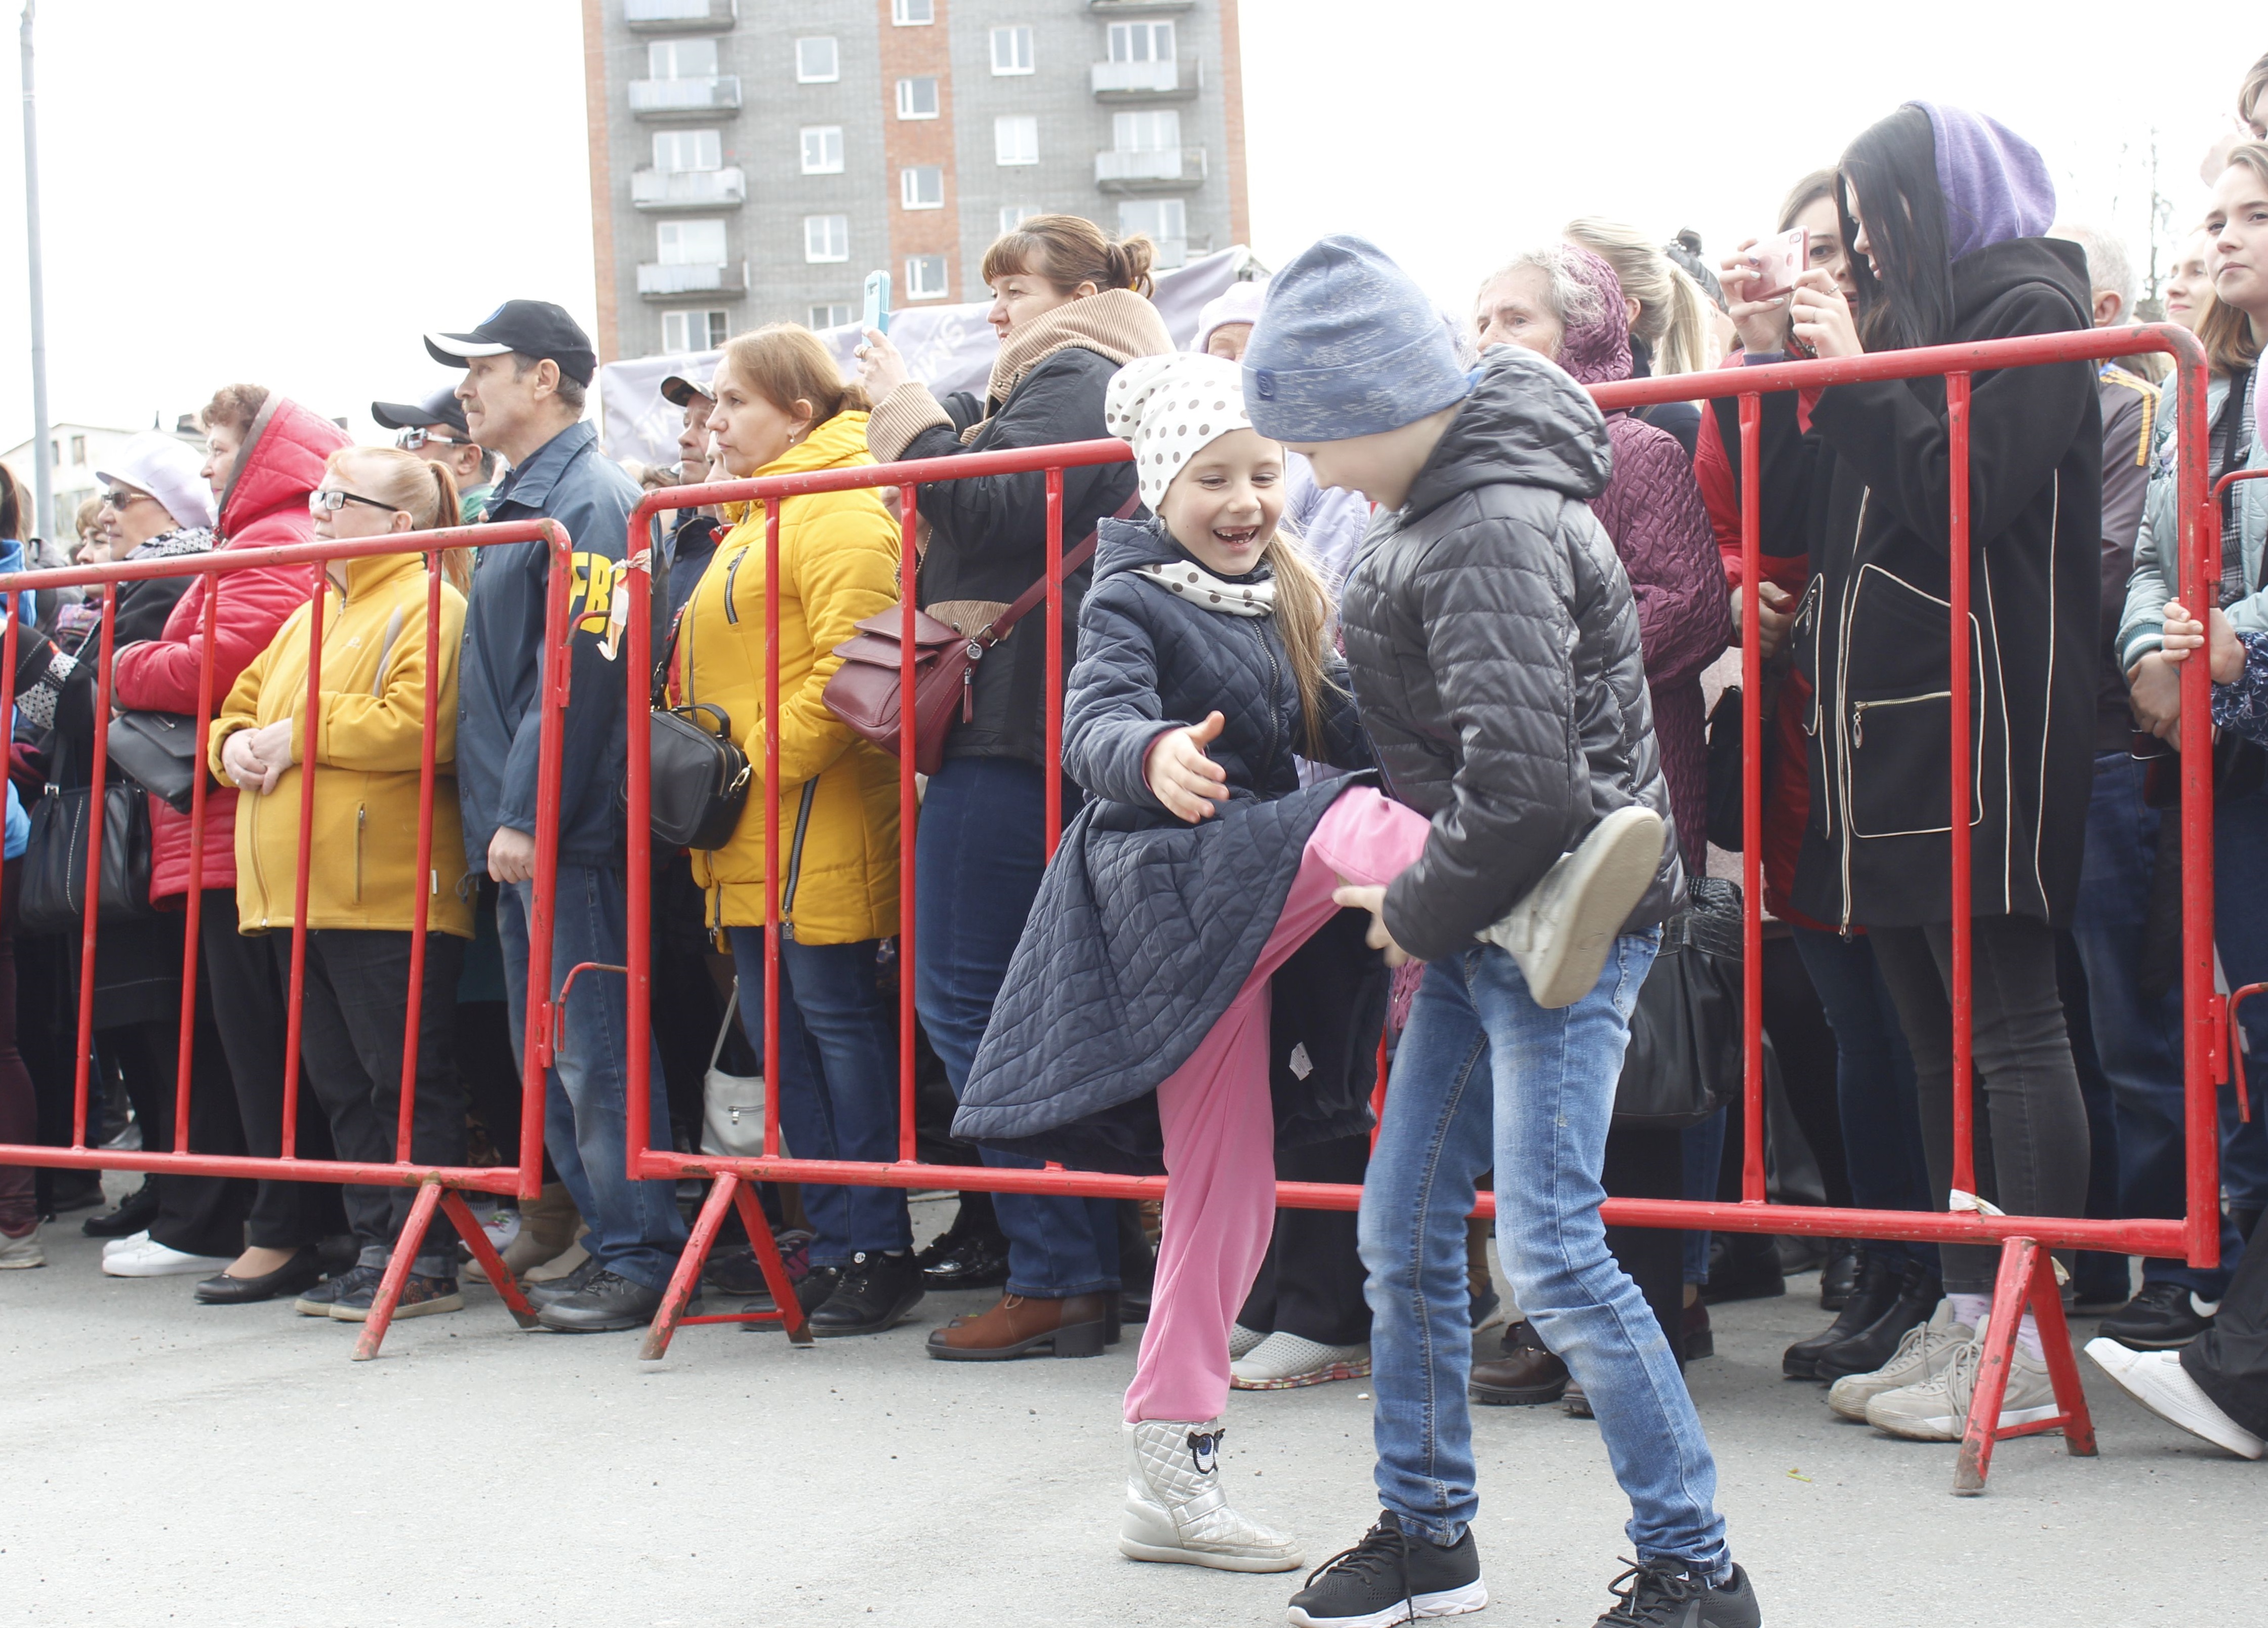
1662,1593
1392,1577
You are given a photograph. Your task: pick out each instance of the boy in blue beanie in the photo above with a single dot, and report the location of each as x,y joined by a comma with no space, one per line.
1494,650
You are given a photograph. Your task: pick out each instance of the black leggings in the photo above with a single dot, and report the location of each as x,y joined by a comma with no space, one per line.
2027,1086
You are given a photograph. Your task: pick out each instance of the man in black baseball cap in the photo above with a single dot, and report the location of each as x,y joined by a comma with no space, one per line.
533,328
434,429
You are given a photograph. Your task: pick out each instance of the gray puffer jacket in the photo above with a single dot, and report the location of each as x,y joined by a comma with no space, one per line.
2157,550
1494,647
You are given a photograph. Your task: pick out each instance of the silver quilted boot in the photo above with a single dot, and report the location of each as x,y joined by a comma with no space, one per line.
1176,1510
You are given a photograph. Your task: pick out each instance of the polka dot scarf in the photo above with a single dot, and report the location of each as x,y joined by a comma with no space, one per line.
1199,586
1169,409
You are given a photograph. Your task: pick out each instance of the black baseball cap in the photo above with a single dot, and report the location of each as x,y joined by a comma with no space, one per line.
440,408
679,391
529,327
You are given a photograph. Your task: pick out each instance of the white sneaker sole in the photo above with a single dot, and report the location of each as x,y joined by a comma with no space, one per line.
167,1265
1359,1369
1145,1537
1607,875
1450,1602
2163,1388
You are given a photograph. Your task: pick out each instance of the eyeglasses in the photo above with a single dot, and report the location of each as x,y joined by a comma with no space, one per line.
419,435
330,500
121,499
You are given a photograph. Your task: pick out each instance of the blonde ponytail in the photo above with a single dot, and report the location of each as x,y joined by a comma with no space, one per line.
1303,617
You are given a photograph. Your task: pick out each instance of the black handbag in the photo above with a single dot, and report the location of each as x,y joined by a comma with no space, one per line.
53,896
699,779
160,753
1685,1052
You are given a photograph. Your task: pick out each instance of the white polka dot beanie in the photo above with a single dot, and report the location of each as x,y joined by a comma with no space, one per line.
1169,409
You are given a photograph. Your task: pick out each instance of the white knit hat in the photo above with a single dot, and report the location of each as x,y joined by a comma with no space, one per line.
168,470
1169,409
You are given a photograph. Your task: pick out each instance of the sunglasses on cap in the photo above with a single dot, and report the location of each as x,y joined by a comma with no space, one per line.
330,500
420,435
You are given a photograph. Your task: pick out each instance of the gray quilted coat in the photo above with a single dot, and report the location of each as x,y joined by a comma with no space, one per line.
1494,647
1147,927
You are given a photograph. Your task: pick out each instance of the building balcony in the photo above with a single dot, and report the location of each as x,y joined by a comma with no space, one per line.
678,98
661,16
670,281
1137,8
689,189
1142,174
1126,82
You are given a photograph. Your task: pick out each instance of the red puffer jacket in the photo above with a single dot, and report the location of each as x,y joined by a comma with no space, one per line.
265,506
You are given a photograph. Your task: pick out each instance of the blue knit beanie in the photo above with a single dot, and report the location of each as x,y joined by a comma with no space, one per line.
1347,345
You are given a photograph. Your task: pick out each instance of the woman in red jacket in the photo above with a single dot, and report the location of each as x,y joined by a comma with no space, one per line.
265,454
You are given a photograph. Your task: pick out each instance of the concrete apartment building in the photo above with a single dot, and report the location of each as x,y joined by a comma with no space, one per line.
752,160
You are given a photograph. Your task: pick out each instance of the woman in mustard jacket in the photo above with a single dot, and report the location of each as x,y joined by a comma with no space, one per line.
366,740
781,409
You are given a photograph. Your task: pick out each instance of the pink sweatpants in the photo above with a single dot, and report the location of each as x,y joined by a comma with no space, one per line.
1220,1130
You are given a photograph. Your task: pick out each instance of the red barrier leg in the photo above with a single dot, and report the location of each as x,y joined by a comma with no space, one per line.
768,1256
683,1281
397,1270
477,1240
2026,1282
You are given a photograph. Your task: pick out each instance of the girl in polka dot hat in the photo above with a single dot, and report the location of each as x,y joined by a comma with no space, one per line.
1142,1025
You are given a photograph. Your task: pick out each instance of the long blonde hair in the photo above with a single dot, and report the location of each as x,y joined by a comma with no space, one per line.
1672,322
2228,335
1303,621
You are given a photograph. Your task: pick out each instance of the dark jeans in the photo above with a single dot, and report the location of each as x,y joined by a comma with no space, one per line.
19,1109
353,1010
1311,1280
2239,925
1874,1081
837,1076
2022,1069
687,1005
2229,1361
980,856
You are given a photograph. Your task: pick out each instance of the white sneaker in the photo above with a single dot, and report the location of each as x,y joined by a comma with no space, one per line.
17,1254
1288,1361
1921,1354
2157,1381
132,1240
1175,1510
1241,1340
152,1259
1937,1408
1561,931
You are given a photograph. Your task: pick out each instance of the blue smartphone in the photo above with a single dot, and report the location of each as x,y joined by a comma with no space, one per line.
878,302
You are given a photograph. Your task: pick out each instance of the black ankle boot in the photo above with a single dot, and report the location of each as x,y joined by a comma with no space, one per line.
1919,1290
1870,1297
1840,1275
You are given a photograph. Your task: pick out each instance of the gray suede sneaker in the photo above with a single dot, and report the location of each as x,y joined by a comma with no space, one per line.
1921,1354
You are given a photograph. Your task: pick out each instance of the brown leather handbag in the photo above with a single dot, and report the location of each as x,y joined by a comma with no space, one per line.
864,691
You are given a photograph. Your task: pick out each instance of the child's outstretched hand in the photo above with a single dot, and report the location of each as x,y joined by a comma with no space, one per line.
1180,774
2185,633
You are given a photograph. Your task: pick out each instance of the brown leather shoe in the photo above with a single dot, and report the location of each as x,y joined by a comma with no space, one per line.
1527,1376
1017,1327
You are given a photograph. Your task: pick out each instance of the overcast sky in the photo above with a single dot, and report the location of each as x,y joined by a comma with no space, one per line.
288,191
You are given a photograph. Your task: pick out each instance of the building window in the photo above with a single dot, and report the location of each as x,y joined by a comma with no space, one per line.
822,149
690,242
816,62
682,59
684,331
825,238
921,187
1155,129
1012,51
78,450
1166,223
677,152
917,98
1016,214
1141,42
925,276
833,316
1016,140
913,13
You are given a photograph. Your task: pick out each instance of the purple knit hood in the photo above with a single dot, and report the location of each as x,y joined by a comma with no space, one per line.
1995,183
1596,350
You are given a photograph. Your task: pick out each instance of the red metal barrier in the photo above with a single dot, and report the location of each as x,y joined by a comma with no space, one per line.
2026,1239
440,1186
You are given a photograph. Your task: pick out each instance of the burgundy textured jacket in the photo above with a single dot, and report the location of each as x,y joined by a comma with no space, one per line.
1652,509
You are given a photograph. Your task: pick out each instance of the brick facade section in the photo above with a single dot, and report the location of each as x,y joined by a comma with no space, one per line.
907,54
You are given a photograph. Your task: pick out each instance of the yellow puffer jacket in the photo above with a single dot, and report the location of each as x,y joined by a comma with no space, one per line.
369,735
838,794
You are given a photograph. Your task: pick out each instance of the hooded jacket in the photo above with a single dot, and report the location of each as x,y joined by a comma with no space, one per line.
1866,492
1495,648
2157,550
838,794
1651,509
1147,927
367,745
265,505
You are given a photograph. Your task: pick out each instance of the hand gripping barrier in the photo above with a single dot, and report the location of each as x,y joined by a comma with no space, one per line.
438,1187
2028,1272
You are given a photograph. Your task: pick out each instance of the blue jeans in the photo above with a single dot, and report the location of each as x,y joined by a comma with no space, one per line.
2138,1041
979,858
1485,1077
1873,1082
838,1072
635,1231
2240,892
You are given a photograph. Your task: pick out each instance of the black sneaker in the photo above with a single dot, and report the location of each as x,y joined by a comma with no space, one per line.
420,1297
317,1300
811,1292
875,1291
607,1304
130,1215
2164,1317
1662,1593
974,1260
1391,1577
541,1294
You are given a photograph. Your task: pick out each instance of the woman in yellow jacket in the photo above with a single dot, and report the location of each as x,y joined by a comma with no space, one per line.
781,408
366,741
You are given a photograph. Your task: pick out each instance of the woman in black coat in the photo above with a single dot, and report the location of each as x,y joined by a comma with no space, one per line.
1942,213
